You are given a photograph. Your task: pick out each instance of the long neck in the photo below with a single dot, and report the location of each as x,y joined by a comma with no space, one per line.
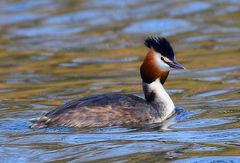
159,98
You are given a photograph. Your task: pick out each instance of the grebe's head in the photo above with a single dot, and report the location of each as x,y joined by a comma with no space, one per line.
159,60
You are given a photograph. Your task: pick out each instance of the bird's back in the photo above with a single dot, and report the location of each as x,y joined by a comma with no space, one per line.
100,110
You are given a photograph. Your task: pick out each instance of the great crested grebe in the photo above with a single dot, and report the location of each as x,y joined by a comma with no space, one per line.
124,109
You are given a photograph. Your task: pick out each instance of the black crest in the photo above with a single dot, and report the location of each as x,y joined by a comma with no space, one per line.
160,45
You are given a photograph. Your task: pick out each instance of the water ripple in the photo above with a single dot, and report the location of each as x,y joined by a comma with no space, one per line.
214,93
190,8
211,159
166,27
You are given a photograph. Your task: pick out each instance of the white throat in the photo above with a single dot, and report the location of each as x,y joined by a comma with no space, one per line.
159,98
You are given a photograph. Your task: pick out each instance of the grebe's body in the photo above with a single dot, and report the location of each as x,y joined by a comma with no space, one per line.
124,109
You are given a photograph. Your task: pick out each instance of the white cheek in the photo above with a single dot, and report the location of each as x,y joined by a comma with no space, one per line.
162,65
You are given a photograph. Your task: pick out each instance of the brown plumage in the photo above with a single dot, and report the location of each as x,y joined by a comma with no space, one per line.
99,111
150,71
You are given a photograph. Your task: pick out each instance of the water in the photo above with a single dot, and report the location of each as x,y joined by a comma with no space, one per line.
55,51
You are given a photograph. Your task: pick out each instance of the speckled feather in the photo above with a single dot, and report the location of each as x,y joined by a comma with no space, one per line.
99,111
